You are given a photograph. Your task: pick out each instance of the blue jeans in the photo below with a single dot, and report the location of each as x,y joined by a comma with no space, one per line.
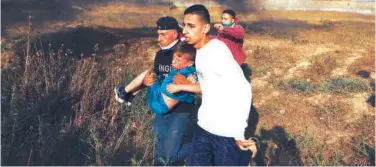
169,131
209,149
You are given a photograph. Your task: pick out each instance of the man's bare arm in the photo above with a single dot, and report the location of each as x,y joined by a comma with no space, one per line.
194,88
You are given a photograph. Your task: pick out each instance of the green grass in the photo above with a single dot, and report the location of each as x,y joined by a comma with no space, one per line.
336,159
305,141
296,85
341,86
345,85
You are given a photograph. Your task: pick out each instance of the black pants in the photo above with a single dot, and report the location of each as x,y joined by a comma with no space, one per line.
209,149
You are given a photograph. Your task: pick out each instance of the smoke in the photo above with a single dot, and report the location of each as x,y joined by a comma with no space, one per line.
239,6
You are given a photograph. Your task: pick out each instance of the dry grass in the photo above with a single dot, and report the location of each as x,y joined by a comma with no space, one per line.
365,63
68,101
326,46
120,15
322,66
71,118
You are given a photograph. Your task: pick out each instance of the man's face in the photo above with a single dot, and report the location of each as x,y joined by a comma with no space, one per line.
227,19
180,61
194,28
166,37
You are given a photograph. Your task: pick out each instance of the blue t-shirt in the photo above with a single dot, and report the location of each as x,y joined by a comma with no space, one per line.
155,98
180,96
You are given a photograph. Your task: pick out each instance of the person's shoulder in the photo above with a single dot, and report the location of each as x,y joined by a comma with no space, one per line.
176,44
217,44
238,26
191,69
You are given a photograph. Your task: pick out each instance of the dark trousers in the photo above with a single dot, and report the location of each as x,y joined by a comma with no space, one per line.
209,149
169,131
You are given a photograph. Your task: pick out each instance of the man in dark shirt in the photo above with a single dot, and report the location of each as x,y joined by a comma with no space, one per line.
169,129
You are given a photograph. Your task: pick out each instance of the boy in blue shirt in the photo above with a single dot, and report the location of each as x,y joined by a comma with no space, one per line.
159,99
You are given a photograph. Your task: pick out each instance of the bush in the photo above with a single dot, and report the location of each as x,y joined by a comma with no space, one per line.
345,85
296,85
337,85
322,66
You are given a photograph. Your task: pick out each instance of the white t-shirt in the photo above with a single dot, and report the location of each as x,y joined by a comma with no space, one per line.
226,94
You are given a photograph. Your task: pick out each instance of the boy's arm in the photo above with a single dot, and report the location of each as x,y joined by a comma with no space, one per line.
136,85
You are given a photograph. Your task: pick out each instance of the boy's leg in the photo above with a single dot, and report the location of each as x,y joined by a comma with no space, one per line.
126,94
174,148
155,99
202,148
227,153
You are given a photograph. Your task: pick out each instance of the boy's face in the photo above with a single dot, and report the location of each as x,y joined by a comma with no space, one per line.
194,28
166,37
180,61
227,19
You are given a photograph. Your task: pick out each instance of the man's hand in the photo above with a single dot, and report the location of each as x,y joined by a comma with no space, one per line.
244,144
192,79
219,27
247,145
149,79
180,79
253,149
173,88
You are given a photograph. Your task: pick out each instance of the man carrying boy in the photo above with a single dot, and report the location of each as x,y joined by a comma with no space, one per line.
168,129
159,99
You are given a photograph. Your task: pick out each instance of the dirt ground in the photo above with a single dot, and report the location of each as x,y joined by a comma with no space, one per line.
317,126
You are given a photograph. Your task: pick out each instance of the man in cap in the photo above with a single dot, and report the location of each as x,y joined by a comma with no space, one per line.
170,128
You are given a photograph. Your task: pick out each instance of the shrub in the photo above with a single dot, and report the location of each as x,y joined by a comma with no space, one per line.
296,85
345,85
322,66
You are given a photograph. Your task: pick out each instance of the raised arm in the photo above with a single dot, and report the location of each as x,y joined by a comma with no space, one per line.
237,31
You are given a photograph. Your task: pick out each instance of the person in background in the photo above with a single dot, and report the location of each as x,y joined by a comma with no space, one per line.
232,34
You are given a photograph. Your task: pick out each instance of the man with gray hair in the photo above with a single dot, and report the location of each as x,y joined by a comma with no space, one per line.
169,128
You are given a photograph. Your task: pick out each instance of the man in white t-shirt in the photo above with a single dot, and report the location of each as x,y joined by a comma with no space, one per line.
226,97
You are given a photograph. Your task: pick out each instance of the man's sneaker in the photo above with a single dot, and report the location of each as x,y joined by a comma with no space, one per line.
122,96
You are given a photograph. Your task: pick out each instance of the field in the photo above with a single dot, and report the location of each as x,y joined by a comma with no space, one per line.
313,80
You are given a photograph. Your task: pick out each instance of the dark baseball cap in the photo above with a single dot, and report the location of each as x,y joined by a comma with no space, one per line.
168,23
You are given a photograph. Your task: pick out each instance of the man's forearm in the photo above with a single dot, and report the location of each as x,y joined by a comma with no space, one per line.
194,88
